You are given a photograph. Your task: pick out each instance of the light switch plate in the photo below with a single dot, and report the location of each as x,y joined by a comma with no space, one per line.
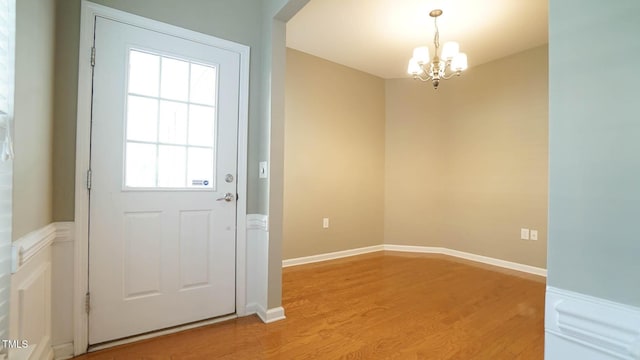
325,223
533,235
263,170
524,234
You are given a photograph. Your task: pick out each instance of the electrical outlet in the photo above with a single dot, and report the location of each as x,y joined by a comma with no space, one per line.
524,234
533,235
325,223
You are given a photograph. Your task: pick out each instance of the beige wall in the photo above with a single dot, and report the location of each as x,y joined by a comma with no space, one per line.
32,182
467,164
414,164
334,157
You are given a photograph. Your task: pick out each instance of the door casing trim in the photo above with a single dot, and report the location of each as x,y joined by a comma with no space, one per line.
89,11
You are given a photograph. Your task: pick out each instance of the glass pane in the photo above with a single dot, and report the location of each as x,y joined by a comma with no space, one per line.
200,168
171,166
173,122
142,119
201,120
175,79
144,71
203,84
140,165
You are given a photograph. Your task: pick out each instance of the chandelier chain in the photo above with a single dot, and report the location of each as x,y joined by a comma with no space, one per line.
436,37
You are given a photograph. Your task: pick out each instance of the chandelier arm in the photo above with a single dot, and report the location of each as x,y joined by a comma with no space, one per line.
455,73
422,78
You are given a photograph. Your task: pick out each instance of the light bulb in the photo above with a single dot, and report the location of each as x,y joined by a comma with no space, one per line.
414,67
421,55
459,62
450,50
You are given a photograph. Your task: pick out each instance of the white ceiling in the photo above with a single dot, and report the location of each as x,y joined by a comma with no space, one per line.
378,36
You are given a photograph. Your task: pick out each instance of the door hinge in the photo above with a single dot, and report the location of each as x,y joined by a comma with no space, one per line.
87,302
93,56
89,179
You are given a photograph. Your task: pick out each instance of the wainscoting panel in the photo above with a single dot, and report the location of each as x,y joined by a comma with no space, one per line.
257,262
41,313
582,327
62,258
257,269
30,304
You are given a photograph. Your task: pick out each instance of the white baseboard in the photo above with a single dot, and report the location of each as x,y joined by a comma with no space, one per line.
469,256
271,315
267,316
416,249
583,327
63,351
331,256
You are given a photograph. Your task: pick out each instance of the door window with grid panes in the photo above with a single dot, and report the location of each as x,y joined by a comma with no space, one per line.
170,127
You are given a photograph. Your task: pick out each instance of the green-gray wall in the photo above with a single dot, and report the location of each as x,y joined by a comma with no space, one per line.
33,108
275,16
594,148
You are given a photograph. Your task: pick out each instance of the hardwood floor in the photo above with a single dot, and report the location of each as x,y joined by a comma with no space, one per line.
385,305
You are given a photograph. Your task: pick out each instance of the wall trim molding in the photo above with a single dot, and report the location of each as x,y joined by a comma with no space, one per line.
257,222
28,246
416,249
331,256
592,325
63,351
267,316
271,315
469,256
65,231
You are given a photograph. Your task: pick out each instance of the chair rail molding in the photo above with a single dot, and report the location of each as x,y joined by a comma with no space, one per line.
583,327
258,222
26,247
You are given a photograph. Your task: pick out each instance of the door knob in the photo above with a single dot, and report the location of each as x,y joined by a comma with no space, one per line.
227,197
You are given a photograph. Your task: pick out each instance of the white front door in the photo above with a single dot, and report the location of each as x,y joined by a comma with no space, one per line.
162,231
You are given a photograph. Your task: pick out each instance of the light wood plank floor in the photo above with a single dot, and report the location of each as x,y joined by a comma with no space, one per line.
384,305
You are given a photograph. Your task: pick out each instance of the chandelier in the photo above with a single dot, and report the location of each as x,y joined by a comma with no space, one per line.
451,61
